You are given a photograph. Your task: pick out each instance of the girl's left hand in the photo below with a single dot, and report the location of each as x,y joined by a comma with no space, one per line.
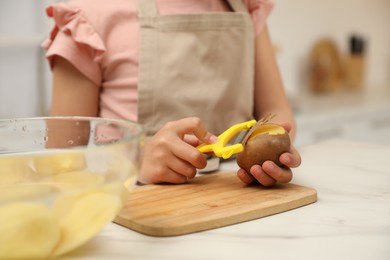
269,173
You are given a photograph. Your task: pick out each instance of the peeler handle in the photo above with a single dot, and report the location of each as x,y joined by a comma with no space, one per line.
219,148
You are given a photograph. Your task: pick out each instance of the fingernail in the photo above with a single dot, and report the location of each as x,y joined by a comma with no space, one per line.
213,139
286,159
270,167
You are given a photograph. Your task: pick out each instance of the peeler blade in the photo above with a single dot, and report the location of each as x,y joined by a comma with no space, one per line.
250,131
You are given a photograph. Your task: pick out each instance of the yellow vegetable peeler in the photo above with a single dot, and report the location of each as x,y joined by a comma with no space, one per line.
220,148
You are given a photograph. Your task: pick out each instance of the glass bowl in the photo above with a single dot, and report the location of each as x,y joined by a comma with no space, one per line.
62,179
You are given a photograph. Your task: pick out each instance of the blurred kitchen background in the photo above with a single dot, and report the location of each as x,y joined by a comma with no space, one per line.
334,57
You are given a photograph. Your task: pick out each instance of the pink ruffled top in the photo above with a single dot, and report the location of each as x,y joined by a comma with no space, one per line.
100,38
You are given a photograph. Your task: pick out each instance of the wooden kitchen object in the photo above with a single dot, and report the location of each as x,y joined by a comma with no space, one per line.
206,202
326,69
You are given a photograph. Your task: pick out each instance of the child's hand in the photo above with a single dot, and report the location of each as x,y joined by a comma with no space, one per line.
170,155
270,173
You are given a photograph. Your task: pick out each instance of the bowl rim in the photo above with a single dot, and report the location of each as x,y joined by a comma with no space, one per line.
138,133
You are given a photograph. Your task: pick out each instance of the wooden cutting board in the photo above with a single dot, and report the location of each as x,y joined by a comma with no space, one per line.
206,202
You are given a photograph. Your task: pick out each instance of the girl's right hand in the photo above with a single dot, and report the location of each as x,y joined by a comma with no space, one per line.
171,156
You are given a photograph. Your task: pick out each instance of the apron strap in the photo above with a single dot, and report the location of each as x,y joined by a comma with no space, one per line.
147,8
238,6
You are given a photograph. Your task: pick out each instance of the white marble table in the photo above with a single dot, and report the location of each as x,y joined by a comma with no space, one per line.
350,220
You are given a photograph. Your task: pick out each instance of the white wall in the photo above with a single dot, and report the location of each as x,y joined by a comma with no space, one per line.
296,24
23,82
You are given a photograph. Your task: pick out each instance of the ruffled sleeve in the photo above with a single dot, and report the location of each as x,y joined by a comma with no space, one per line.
74,38
259,10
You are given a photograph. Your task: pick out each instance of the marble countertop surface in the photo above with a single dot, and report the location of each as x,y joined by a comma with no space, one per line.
350,220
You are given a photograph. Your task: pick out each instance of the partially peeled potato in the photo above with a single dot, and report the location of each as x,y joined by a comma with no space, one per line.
266,142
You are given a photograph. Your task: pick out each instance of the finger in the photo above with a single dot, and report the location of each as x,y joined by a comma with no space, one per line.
159,174
173,177
287,126
189,154
291,159
171,144
195,126
280,174
261,176
182,167
192,140
245,177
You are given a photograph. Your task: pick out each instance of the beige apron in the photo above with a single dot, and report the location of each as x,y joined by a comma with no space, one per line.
195,65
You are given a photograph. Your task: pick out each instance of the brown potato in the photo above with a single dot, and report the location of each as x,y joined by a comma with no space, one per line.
265,143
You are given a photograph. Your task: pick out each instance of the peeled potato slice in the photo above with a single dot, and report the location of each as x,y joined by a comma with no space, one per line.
82,217
25,191
77,179
13,169
52,164
27,230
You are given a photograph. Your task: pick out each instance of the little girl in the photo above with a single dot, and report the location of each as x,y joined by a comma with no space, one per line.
182,68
